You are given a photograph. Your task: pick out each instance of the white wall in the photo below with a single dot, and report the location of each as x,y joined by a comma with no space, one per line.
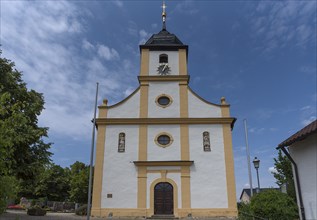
128,109
158,88
157,153
120,173
304,154
200,109
173,62
208,175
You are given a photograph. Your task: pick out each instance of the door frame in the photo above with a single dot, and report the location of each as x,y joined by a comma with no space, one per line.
175,195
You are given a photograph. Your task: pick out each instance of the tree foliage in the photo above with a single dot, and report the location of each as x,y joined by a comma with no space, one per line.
53,183
79,181
274,205
284,174
23,153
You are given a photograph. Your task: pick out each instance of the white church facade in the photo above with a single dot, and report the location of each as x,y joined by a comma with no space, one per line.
164,150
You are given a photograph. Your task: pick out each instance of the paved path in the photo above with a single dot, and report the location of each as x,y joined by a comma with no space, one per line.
21,215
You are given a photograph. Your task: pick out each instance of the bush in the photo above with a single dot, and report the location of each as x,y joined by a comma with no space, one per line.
82,210
274,205
244,211
36,211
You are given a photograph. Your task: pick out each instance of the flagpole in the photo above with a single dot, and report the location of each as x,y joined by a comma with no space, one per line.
248,156
92,155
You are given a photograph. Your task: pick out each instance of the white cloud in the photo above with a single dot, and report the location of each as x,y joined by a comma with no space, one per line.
107,53
144,36
246,185
308,120
187,7
118,3
46,39
272,170
87,45
277,24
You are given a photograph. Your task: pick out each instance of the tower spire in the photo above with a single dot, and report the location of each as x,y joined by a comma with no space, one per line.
164,16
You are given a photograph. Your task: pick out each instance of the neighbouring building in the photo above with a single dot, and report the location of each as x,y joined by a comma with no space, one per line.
301,149
164,150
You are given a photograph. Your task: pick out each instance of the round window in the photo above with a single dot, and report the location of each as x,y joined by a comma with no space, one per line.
163,100
163,139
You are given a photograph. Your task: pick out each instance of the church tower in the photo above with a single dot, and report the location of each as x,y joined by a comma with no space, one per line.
164,150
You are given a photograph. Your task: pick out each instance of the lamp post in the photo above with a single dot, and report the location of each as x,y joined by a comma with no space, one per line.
256,163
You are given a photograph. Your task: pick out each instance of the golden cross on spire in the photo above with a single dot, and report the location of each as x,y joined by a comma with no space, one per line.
164,15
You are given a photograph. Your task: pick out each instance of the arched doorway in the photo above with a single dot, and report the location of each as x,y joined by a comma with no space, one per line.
163,199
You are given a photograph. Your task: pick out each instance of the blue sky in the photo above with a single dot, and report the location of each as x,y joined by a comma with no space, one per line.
260,55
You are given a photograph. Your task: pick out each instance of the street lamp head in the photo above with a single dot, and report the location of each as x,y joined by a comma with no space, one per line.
256,163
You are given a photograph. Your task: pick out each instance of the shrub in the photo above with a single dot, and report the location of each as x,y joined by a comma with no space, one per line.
274,205
82,210
36,211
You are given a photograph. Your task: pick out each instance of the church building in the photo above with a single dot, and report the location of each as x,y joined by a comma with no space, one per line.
164,150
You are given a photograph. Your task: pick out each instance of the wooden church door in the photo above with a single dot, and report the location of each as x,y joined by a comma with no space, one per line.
163,199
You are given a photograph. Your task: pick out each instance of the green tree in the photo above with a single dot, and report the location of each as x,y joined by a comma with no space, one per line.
274,205
53,183
23,153
8,190
284,174
79,181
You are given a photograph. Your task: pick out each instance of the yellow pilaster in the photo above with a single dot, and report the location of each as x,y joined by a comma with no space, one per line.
142,154
144,71
182,56
98,172
227,139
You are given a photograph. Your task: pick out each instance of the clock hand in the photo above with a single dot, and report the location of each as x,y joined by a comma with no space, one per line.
164,67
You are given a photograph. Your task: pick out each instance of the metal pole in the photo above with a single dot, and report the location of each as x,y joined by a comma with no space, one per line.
257,174
248,156
92,156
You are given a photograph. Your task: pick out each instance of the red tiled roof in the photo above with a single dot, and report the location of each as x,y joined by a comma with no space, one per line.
300,135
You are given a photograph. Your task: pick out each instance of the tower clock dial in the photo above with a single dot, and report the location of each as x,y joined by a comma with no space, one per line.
163,69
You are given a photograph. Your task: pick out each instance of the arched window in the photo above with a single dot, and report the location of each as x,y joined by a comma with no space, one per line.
206,141
121,142
163,58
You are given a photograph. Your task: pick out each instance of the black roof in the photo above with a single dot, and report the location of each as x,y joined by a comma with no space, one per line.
164,40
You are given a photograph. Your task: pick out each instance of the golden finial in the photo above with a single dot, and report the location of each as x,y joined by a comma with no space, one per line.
164,15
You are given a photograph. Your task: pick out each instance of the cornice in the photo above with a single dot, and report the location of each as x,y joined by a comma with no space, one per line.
163,163
173,78
158,121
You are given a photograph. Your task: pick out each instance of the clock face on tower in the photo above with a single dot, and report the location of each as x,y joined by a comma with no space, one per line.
163,69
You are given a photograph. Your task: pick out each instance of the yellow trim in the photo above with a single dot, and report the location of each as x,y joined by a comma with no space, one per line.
227,141
216,212
163,163
144,71
170,78
100,152
163,95
101,107
142,153
182,61
175,195
160,121
142,176
161,145
209,103
185,182
159,171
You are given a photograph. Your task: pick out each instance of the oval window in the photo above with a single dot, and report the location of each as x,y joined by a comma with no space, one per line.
164,139
164,100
